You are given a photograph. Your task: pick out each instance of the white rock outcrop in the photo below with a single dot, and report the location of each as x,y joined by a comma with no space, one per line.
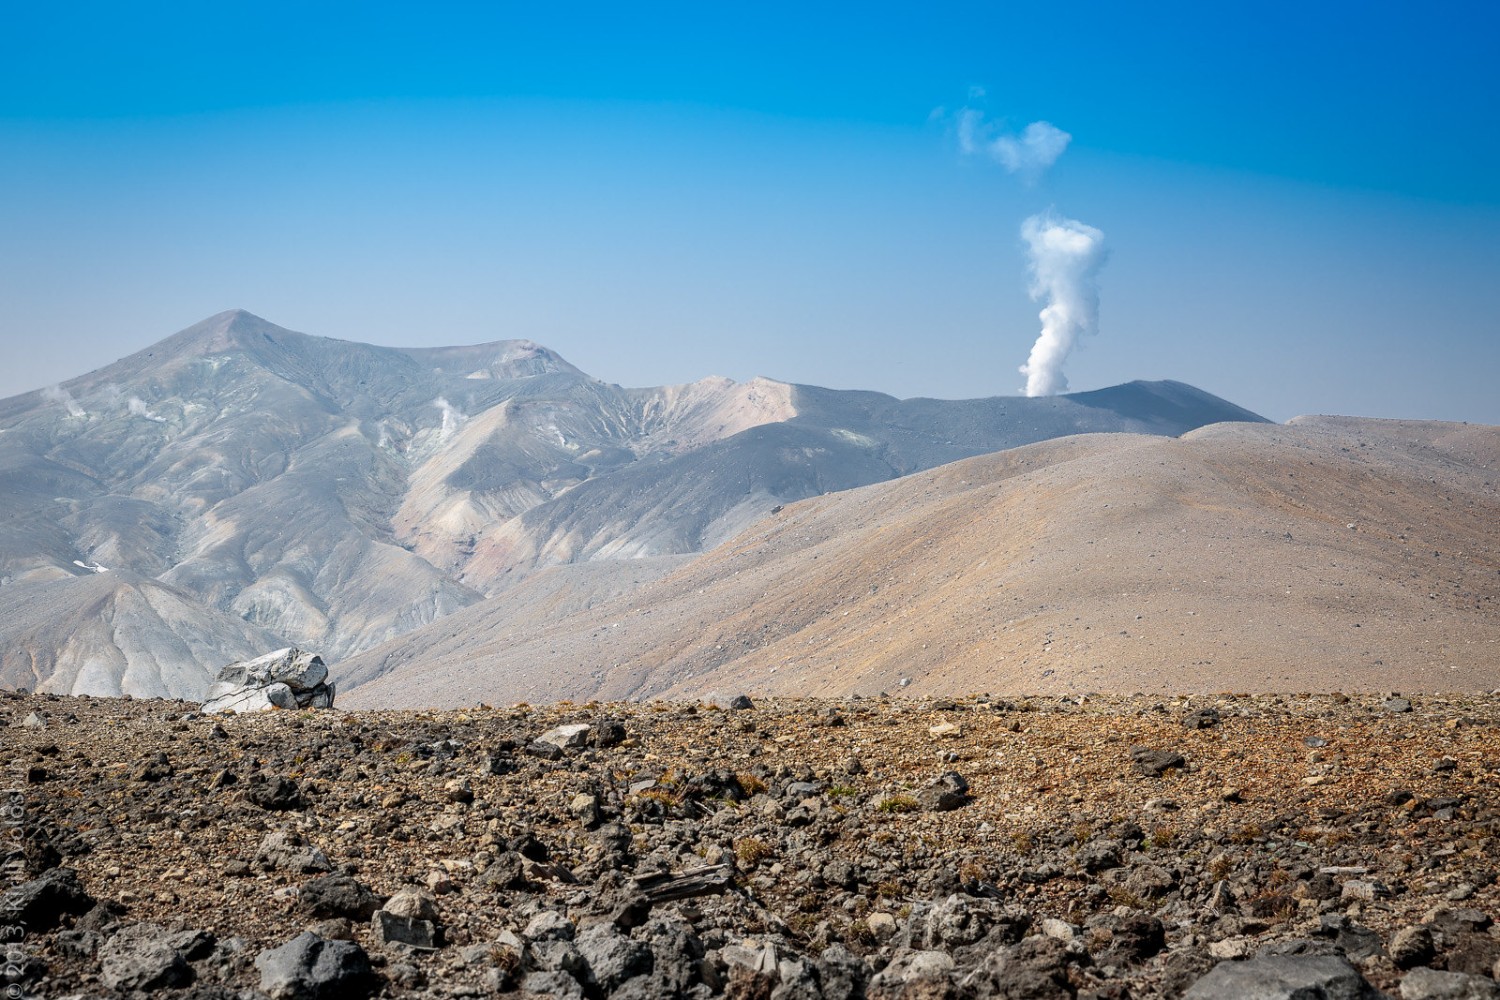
287,678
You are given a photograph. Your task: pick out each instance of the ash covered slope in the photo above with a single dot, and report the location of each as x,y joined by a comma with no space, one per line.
335,495
1328,554
293,489
684,502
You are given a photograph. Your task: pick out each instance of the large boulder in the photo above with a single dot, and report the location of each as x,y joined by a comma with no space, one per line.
1284,977
287,678
309,967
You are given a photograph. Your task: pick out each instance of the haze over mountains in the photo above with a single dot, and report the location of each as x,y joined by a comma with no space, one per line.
239,487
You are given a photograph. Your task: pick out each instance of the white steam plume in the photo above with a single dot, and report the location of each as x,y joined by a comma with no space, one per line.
452,418
138,408
1066,256
1028,154
57,394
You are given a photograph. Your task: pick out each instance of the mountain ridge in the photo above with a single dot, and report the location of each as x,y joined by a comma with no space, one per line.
335,495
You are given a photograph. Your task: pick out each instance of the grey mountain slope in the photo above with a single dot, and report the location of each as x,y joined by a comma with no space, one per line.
117,633
1332,554
337,495
837,440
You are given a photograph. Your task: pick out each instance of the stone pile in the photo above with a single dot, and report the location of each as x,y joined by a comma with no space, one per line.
287,678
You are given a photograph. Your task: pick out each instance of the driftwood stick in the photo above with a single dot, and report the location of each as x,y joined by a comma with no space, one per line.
667,886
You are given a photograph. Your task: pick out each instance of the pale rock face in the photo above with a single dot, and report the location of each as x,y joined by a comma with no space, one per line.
292,668
288,678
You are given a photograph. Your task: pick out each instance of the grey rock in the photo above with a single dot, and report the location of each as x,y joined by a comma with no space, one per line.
842,975
549,925
1149,882
1100,854
1412,946
947,792
1035,969
741,703
1430,984
1125,940
140,957
287,679
612,957
286,851
297,670
40,905
309,967
339,896
961,920
1354,939
550,983
1284,977
1396,705
1155,763
574,736
676,951
1203,718
414,932
413,903
586,808
1474,953
607,733
557,955
276,793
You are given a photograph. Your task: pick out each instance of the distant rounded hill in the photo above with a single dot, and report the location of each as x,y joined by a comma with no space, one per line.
1329,554
240,486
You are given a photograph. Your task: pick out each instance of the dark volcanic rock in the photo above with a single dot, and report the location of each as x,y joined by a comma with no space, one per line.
277,794
1155,763
340,896
311,968
1284,977
42,903
143,957
948,792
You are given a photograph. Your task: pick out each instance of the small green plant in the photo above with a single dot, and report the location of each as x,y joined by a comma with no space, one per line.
750,783
842,791
1246,834
898,804
666,798
750,851
1022,842
1162,836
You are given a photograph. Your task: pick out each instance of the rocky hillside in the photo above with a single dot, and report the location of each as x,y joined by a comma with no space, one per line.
247,487
1225,846
1327,554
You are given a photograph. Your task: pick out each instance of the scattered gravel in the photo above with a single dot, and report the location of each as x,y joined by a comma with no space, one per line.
1096,847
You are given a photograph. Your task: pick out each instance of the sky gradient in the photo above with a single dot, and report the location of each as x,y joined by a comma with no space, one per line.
1300,207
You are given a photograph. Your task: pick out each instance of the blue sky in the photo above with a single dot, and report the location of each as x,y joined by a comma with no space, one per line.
1300,206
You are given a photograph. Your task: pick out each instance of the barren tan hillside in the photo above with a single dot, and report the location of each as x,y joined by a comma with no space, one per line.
1328,554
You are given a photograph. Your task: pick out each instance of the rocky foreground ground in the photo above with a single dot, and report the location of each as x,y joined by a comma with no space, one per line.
1227,846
